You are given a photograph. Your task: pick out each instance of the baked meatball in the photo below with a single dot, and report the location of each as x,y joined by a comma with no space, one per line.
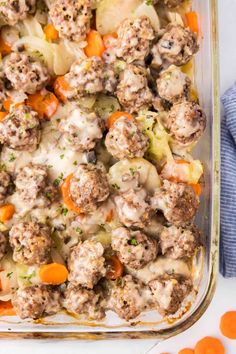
169,291
134,39
172,3
5,184
125,139
12,11
36,301
3,245
177,201
86,264
84,301
33,185
20,129
134,248
128,297
133,91
89,187
25,73
186,122
177,242
133,208
3,90
177,45
71,18
173,85
82,130
85,77
31,243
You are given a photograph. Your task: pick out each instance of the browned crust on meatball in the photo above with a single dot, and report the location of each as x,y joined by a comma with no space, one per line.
3,245
5,186
12,11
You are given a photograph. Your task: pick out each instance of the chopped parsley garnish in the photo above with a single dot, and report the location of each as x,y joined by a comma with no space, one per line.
115,185
12,157
29,277
9,275
75,163
78,229
58,180
149,2
62,156
64,211
133,242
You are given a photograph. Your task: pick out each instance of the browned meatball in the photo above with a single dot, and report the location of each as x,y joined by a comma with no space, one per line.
3,91
134,248
82,130
173,85
5,184
186,122
133,208
25,73
86,264
12,11
125,139
172,3
177,242
178,44
134,39
177,201
31,243
89,187
71,18
36,301
3,245
133,91
128,297
20,129
33,186
169,291
84,301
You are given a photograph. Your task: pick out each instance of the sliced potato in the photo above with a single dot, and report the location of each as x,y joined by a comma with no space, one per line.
104,238
149,177
106,105
27,275
150,12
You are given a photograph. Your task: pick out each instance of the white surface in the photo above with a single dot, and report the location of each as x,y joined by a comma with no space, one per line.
225,298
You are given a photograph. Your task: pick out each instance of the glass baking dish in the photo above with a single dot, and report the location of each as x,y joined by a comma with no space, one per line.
206,263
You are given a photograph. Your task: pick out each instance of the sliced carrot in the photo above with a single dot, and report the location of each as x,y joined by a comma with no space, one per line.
186,351
109,40
115,116
115,268
228,324
9,102
209,345
182,162
5,48
6,212
95,46
110,216
51,32
61,86
45,103
197,188
53,273
2,115
6,309
192,21
65,189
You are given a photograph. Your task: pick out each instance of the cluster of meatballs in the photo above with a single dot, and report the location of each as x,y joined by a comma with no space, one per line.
144,54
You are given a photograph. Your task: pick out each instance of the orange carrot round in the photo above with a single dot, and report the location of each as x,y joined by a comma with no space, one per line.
5,48
65,189
44,103
182,162
6,309
209,345
2,115
60,88
228,324
115,268
186,351
95,46
6,212
115,116
53,273
51,33
192,21
109,40
9,102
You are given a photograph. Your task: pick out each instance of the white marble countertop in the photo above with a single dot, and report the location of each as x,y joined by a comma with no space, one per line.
224,299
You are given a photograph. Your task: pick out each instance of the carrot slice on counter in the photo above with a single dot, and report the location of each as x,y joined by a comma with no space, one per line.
116,268
228,324
6,309
65,189
192,21
53,273
109,40
51,32
61,86
45,103
95,46
6,212
5,48
186,351
115,116
2,115
209,345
